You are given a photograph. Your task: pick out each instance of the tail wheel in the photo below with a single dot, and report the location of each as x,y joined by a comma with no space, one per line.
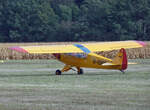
58,72
80,72
122,71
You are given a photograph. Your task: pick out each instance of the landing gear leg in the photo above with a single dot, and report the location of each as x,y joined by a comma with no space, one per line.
80,71
66,68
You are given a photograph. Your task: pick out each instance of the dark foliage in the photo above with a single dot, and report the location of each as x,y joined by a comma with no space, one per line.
74,20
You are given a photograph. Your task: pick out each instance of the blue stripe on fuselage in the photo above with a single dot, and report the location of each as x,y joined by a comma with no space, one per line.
84,49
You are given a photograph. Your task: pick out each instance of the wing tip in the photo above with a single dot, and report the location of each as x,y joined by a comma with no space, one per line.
141,43
18,49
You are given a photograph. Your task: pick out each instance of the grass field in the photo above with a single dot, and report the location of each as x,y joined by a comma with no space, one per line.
32,85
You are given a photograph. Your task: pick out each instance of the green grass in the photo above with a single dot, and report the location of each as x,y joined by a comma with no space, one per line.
32,85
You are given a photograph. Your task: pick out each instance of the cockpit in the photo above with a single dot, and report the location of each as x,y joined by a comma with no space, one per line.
78,55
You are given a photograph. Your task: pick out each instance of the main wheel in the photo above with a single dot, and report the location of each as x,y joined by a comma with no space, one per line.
58,72
80,72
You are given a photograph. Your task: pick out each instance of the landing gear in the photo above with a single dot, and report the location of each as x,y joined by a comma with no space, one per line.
122,71
67,68
80,71
58,72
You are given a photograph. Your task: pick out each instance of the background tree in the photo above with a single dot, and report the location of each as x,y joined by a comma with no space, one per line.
74,20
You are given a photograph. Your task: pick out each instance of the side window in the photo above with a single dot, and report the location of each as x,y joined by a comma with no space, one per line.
78,55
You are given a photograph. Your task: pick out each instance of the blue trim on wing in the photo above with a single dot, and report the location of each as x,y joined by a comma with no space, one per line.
84,49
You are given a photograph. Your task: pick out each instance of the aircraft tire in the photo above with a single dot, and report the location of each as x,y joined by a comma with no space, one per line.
58,72
80,72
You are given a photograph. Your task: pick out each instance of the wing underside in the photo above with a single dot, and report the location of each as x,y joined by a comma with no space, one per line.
80,48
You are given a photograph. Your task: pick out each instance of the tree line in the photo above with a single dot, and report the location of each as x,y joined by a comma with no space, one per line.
74,20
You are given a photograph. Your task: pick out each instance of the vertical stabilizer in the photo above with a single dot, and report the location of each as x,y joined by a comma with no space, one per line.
121,59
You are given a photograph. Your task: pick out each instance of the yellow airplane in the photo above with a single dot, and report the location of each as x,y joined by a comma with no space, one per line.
82,55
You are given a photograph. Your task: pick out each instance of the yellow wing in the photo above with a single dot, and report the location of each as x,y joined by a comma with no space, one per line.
107,46
79,48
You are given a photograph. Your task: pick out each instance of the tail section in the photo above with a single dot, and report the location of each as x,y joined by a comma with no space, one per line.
121,59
